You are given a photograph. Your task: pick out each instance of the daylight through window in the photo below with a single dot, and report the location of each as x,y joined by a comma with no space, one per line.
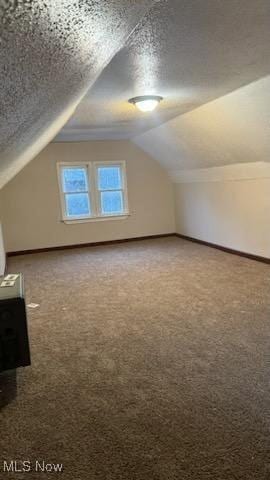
92,190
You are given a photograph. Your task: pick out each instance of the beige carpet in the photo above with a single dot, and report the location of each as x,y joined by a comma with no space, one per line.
151,361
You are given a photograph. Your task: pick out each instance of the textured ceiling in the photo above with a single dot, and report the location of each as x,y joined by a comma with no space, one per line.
189,51
51,52
233,129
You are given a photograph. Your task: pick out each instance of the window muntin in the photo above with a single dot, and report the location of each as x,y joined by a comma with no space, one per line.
93,190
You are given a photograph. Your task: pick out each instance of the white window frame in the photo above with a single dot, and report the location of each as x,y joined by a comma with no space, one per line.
93,191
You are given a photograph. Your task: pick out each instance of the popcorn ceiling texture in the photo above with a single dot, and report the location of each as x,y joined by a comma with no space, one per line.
51,53
190,52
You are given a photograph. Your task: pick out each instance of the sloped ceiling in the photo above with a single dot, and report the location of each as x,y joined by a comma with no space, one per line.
188,51
230,130
51,53
57,55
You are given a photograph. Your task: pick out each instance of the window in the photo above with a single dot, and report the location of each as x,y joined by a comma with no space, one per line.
76,191
92,190
110,190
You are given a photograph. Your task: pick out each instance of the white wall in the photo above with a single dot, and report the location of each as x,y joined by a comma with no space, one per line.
219,157
30,204
231,213
2,254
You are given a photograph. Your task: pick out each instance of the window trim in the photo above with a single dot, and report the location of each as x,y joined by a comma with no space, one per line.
93,192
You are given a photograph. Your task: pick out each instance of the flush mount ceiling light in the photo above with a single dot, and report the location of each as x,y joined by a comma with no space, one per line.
146,103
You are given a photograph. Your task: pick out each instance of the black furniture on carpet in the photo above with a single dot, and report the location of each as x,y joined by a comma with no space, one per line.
14,343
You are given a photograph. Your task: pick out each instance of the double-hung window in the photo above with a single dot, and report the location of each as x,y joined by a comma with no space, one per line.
111,189
92,190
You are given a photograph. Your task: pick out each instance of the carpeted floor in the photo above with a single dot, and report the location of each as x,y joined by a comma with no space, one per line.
151,361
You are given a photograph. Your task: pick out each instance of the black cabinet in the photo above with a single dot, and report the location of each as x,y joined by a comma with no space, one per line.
14,343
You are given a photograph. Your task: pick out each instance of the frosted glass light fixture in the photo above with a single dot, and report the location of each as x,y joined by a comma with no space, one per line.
146,103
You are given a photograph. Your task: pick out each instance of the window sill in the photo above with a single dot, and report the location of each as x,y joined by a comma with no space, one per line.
95,219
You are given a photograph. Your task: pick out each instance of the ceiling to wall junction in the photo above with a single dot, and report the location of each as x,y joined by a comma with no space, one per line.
188,51
234,129
57,55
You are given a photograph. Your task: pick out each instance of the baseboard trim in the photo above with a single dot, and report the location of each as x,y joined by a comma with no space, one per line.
91,244
258,258
134,239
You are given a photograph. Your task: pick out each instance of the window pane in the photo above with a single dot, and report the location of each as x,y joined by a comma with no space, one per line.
77,204
109,178
112,202
74,179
